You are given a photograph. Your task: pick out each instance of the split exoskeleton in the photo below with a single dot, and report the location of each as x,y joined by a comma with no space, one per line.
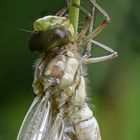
60,111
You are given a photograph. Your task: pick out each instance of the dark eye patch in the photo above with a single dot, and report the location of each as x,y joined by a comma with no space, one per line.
34,44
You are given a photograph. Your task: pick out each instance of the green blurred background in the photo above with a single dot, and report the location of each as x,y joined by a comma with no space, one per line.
114,86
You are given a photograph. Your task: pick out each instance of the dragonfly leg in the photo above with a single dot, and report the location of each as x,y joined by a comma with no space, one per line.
102,58
100,45
62,12
99,28
86,25
84,30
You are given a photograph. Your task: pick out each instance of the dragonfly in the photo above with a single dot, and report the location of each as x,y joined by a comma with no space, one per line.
60,110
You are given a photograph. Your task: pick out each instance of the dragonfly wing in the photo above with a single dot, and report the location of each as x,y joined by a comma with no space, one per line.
56,130
36,121
40,124
61,129
69,132
28,118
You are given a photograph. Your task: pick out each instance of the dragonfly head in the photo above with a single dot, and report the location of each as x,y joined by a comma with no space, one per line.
50,33
43,24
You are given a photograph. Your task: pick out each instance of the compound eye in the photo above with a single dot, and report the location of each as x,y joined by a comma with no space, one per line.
34,41
61,33
59,36
51,40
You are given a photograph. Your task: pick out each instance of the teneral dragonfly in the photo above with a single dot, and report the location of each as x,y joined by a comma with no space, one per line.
60,111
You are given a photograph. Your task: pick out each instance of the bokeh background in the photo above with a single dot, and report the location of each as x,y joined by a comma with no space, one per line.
114,86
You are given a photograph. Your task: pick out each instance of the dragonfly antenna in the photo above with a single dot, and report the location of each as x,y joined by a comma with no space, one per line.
24,30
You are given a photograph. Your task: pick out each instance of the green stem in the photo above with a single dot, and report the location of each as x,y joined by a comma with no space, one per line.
74,14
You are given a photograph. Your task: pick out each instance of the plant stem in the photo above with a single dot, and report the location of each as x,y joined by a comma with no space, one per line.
74,14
